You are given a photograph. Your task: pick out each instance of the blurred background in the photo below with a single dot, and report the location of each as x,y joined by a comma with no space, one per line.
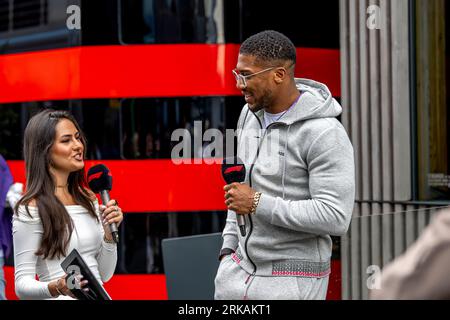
133,71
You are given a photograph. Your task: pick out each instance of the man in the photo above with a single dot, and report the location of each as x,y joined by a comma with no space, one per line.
299,187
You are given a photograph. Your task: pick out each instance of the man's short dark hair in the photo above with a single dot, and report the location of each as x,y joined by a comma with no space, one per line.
269,46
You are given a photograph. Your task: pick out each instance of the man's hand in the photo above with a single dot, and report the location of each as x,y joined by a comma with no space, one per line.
239,197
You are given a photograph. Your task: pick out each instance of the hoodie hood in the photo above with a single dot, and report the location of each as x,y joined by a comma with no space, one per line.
315,102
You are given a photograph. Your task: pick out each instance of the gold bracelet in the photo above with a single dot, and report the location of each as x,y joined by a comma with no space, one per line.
256,198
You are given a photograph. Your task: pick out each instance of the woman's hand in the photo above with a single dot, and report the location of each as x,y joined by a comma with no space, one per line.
61,287
110,214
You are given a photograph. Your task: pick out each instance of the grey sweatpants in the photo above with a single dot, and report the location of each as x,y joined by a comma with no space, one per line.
234,283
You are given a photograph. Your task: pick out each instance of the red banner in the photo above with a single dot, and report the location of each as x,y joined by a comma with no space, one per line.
141,71
158,185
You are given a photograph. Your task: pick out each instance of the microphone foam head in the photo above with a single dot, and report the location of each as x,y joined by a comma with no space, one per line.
99,178
233,170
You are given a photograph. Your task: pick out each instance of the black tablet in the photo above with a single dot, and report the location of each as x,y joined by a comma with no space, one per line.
74,265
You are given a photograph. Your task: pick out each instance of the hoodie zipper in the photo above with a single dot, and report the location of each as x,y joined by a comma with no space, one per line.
250,183
250,278
249,217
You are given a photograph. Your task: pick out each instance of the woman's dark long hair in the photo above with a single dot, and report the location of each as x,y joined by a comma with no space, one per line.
40,135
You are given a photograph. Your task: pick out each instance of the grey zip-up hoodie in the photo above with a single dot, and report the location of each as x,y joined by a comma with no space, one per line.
303,165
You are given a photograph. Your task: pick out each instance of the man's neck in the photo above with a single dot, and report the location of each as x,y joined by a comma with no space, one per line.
284,101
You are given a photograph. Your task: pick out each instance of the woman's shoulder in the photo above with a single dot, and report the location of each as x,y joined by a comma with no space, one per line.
28,212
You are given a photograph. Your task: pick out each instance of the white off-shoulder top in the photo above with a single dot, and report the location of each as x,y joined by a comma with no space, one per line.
87,238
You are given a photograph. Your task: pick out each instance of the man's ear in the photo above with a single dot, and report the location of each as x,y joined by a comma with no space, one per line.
280,75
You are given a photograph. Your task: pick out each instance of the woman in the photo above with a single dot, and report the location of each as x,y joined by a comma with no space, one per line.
57,212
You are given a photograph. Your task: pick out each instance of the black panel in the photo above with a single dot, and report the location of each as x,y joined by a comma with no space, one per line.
306,23
110,22
4,15
125,128
26,13
99,25
162,21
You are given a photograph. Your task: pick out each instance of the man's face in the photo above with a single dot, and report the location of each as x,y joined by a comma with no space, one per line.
259,90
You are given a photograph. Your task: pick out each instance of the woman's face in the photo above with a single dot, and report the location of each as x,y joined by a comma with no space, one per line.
67,152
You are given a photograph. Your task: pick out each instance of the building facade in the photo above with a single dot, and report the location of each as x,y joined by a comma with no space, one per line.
394,61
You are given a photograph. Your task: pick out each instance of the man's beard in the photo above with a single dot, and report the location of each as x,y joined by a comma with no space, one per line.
264,102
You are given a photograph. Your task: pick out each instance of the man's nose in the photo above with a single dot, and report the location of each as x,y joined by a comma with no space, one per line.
240,85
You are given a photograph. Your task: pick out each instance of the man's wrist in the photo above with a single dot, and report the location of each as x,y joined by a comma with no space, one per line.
255,203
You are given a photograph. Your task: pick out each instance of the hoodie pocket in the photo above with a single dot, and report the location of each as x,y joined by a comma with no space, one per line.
229,281
224,266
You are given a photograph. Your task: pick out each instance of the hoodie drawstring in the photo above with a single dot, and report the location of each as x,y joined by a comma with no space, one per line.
285,156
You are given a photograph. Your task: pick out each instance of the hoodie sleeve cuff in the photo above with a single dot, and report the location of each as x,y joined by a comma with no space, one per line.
230,242
265,207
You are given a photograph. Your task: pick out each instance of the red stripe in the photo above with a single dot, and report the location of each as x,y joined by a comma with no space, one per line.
233,169
323,65
10,289
120,287
335,281
158,185
96,175
137,287
141,71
